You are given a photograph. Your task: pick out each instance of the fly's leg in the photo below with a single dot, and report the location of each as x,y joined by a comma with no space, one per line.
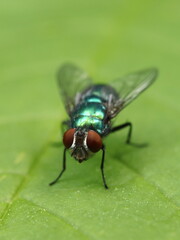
102,167
128,124
64,125
128,141
63,168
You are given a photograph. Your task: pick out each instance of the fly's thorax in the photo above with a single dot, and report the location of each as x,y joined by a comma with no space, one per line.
91,114
82,142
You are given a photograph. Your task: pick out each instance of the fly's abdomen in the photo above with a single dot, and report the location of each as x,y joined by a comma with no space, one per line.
90,113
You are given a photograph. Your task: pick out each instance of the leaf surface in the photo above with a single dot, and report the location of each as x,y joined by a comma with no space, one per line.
108,39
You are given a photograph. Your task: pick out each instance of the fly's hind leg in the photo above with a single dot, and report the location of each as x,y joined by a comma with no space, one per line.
128,141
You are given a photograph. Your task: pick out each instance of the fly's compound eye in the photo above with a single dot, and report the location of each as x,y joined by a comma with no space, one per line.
68,137
94,141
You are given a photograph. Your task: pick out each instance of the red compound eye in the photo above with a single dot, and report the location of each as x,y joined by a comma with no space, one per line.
94,141
68,137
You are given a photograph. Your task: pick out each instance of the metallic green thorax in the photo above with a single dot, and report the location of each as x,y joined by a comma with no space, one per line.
90,113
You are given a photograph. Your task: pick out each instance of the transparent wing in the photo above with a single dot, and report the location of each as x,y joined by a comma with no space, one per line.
72,81
130,86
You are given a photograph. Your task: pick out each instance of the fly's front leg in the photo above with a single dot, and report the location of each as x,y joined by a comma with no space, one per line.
102,167
63,169
128,141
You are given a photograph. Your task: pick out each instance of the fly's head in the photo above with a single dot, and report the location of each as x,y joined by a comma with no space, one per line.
82,142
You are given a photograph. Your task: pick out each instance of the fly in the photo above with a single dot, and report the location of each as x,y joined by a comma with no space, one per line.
91,107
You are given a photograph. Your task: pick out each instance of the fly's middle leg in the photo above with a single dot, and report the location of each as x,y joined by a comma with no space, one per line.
64,126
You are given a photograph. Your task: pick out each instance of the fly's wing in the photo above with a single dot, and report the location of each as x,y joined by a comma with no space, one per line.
130,87
72,81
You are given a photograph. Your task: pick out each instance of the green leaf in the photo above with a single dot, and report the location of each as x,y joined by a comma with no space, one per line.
108,39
